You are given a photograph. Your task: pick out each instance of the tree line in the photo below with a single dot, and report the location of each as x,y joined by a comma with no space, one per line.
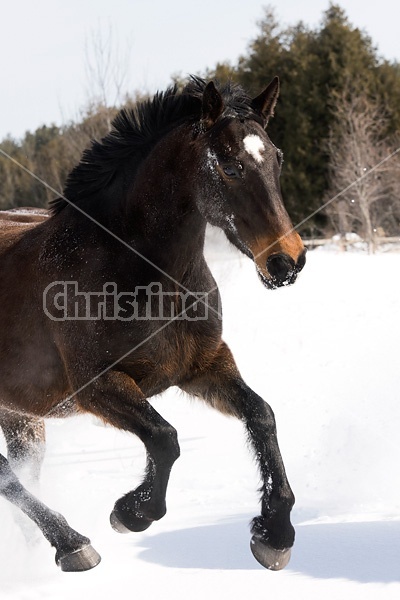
338,117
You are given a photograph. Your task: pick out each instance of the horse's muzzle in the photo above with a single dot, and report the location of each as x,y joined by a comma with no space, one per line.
283,270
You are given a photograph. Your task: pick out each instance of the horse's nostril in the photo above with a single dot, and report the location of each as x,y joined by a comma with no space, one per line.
301,261
281,268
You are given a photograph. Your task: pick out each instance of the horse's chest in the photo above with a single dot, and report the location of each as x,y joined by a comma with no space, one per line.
174,357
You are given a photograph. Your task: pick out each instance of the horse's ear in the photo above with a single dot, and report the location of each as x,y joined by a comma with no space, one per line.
213,105
266,101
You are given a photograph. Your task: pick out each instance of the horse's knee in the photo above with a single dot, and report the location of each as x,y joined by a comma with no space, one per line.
164,445
169,442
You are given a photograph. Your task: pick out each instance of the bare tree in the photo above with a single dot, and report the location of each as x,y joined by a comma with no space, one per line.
106,68
366,165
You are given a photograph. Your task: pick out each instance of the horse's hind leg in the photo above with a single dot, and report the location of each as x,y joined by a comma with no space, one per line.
25,438
26,442
118,400
222,386
73,551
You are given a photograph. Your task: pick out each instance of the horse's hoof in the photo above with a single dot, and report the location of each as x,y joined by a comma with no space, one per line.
117,525
269,557
136,524
81,560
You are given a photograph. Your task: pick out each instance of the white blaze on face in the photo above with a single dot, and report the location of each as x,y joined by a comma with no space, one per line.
253,144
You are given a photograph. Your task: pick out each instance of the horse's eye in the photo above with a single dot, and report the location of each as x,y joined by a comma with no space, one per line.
231,171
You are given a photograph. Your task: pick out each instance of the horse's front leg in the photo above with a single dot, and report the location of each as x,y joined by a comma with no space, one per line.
118,400
222,386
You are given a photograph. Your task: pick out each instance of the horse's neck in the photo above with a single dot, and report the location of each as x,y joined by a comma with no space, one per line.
161,204
172,239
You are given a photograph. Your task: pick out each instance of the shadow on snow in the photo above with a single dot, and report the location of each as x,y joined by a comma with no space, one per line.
364,552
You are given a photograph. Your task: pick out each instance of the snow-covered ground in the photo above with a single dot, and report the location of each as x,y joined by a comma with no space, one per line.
325,354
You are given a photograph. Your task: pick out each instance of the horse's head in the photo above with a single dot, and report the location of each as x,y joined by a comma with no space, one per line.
238,182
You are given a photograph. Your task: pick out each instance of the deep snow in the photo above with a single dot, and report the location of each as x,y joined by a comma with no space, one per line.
324,353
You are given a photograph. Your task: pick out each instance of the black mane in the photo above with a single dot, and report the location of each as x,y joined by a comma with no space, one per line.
136,130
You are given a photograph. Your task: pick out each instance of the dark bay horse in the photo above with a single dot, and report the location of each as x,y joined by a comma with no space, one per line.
109,301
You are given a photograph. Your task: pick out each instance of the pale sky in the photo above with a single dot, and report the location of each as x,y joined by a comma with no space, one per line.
42,45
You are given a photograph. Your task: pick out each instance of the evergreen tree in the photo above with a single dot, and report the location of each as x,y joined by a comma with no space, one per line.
312,66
